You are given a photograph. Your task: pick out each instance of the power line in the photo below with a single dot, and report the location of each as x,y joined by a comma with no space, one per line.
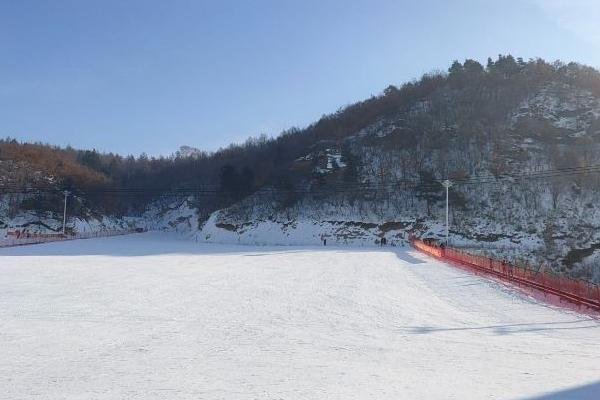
396,184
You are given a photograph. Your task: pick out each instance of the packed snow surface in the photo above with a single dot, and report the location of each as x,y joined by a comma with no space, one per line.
155,316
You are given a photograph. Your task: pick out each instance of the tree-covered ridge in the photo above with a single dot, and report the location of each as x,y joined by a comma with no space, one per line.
470,102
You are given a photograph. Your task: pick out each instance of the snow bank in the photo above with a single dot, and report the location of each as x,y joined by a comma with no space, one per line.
221,229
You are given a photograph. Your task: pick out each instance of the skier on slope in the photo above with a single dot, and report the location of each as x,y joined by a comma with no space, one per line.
323,239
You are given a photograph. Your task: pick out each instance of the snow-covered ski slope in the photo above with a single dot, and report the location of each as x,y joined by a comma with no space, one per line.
155,316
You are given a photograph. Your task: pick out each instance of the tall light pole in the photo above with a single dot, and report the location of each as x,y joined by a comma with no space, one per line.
66,193
447,184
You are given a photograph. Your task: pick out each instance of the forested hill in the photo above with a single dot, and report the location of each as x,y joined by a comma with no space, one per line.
492,129
468,103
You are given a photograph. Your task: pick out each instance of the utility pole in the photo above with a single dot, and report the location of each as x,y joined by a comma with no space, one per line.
64,231
447,184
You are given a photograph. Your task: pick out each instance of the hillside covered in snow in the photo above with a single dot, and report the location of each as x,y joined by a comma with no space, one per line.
519,139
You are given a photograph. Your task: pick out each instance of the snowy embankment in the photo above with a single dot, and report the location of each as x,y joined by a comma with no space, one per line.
180,216
30,226
256,222
300,232
47,223
155,316
224,227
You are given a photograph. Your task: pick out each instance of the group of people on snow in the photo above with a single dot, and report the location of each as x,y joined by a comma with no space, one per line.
382,241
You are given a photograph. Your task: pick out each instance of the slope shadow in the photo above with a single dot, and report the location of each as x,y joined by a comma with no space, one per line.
584,392
408,258
508,329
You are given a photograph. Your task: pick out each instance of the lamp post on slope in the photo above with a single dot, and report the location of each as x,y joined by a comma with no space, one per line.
66,193
447,184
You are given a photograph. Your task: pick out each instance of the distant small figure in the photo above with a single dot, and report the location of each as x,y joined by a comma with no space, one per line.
324,242
383,241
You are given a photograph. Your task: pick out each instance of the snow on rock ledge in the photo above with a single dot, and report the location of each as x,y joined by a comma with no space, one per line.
179,216
219,229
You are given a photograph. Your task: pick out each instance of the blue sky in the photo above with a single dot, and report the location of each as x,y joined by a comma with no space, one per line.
149,76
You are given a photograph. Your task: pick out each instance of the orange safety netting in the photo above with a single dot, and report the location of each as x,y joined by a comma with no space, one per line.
577,291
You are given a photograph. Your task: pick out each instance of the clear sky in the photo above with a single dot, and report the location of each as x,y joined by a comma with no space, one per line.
151,75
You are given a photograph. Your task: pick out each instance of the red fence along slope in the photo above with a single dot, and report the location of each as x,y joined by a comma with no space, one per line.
576,291
19,239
